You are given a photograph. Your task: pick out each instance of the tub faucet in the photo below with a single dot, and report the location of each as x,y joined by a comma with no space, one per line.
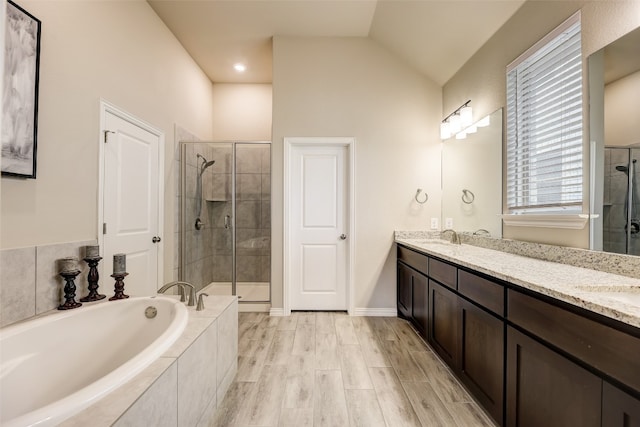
455,238
181,285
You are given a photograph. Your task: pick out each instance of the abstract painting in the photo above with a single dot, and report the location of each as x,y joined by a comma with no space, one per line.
20,92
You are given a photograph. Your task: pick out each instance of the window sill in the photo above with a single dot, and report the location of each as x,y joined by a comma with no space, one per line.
572,221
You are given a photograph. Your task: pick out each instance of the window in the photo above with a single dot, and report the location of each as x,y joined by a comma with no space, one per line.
544,125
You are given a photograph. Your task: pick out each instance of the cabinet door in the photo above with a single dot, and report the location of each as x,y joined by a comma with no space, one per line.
481,356
443,322
619,409
420,303
546,389
405,291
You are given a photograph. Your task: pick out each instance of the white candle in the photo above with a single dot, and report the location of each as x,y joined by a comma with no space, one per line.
119,263
92,251
68,264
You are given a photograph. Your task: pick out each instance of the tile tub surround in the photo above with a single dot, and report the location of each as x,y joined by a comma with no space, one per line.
30,281
183,387
611,295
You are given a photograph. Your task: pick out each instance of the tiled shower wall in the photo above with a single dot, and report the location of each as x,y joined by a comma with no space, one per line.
208,252
30,283
615,193
253,213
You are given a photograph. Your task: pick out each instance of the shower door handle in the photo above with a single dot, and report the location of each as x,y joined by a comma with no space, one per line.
227,221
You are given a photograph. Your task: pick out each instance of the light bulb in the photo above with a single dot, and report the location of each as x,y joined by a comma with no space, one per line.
445,132
466,116
484,122
454,124
461,135
239,67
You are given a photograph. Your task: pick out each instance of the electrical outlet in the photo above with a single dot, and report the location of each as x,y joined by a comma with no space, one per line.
434,223
448,223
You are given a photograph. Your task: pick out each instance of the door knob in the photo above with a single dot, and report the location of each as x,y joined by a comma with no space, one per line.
343,237
156,239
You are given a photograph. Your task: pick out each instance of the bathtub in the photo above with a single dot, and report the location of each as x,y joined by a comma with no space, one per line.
54,366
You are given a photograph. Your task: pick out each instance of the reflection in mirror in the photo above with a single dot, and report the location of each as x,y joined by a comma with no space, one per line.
614,85
472,179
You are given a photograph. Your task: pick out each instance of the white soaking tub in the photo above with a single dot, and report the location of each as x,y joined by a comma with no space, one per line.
56,365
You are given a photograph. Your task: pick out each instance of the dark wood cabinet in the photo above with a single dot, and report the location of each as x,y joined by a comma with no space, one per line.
619,409
481,356
547,389
529,359
420,311
443,322
405,290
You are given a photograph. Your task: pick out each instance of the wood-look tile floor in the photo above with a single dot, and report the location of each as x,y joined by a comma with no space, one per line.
330,369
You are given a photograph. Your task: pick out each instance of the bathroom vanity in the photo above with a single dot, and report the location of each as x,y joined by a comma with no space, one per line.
537,343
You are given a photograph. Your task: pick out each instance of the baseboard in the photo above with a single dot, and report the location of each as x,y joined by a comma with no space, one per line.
276,312
374,312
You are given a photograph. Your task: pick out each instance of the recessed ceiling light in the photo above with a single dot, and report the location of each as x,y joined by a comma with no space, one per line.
239,67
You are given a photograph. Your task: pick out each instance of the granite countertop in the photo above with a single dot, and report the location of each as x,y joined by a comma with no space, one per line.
611,295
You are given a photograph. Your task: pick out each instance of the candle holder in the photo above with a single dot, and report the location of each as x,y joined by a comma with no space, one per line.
118,287
93,280
69,290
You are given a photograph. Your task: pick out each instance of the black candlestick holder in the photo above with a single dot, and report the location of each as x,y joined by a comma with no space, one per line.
92,278
69,290
118,287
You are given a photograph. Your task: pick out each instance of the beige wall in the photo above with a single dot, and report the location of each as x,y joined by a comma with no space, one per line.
621,106
353,87
242,112
482,79
123,53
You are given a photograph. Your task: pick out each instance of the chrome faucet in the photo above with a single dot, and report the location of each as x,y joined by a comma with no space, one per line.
455,238
181,285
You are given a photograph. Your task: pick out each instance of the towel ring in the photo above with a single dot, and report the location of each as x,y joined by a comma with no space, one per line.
467,196
426,197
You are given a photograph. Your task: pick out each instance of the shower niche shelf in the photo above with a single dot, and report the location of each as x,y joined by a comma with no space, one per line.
218,200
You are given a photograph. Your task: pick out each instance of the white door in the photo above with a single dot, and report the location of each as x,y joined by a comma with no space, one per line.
131,202
318,227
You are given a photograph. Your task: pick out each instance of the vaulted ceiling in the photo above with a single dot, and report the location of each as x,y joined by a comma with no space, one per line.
435,36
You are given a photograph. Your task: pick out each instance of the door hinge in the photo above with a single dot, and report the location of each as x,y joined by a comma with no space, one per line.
107,132
104,228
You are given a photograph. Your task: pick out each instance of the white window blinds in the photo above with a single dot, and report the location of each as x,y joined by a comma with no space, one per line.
544,124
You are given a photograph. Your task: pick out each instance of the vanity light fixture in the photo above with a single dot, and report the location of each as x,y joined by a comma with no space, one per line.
239,67
455,122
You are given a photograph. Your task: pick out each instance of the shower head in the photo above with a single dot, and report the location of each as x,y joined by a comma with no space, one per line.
205,164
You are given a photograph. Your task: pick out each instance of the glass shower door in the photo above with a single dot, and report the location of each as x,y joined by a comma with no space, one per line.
253,221
225,218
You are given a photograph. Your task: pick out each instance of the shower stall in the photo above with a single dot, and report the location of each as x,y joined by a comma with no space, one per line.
621,211
225,218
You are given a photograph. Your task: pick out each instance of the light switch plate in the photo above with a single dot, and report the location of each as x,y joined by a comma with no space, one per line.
434,223
448,223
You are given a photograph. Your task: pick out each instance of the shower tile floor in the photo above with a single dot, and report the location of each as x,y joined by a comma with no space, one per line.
330,369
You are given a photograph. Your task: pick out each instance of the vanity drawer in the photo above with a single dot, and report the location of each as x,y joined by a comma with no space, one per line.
443,273
606,349
482,291
413,259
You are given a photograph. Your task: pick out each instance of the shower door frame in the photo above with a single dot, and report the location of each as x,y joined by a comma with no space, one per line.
183,185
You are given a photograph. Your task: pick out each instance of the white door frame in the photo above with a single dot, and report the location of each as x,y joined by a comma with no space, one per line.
289,144
107,107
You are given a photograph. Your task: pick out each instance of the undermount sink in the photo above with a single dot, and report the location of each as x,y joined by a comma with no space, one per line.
433,242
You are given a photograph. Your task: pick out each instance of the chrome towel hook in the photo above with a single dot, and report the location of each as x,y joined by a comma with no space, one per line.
426,197
467,196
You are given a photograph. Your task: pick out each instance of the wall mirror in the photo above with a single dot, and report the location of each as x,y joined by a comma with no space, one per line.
614,86
472,180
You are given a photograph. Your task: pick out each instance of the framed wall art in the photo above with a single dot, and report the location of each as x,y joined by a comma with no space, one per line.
20,92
